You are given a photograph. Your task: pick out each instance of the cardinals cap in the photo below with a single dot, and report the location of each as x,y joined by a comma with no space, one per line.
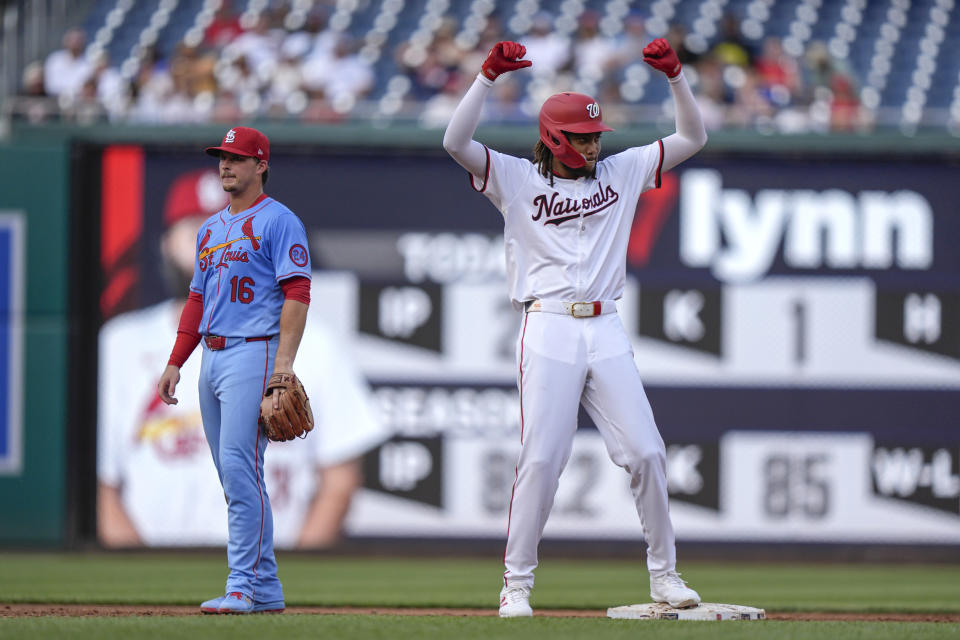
243,141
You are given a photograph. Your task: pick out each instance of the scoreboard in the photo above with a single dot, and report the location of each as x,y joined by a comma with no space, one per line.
795,320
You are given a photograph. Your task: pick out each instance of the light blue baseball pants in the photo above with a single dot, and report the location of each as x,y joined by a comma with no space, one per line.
232,381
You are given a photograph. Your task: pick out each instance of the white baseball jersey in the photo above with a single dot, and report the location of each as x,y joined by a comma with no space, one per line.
568,241
158,457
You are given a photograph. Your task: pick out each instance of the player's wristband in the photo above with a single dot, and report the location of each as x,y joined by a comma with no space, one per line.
484,79
675,79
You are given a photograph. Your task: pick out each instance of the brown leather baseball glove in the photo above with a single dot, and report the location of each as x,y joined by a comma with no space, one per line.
294,418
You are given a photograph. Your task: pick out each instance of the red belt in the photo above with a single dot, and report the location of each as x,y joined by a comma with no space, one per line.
217,343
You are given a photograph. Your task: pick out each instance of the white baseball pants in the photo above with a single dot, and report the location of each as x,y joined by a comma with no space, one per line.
564,361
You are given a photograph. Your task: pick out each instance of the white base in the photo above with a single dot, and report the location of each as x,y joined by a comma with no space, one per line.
703,611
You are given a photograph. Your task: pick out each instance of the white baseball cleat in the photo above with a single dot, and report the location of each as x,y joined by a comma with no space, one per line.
515,602
667,586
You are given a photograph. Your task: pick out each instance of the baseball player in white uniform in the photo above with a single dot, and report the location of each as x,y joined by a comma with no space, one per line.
567,218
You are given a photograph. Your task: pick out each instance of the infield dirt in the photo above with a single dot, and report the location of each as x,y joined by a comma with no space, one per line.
92,610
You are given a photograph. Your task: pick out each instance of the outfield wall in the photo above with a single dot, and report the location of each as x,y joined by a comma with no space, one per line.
34,318
793,307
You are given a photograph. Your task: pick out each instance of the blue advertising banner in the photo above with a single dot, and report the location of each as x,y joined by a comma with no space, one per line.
11,341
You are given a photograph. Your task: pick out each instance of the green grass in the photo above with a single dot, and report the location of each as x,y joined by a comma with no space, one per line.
162,578
187,579
394,627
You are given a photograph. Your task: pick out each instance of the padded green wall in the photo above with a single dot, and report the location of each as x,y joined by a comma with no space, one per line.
34,181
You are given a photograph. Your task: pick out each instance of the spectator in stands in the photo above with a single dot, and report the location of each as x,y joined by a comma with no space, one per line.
67,69
506,105
732,48
713,96
286,66
444,45
181,91
750,105
548,50
226,107
778,73
111,88
286,79
319,110
630,42
346,78
33,104
311,39
181,105
241,80
438,109
85,107
224,28
201,68
491,33
150,87
593,52
844,105
432,70
833,97
819,66
677,37
259,47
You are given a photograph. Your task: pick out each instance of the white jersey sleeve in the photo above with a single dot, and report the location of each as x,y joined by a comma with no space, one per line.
505,179
642,164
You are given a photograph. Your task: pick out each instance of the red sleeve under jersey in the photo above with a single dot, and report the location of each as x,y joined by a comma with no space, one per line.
188,333
296,288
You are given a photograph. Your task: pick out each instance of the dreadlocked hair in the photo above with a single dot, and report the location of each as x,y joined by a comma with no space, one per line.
543,158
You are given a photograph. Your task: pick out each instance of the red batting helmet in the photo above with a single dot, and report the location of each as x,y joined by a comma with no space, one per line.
573,113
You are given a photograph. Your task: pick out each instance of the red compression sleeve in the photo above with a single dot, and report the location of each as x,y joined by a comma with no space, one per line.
188,333
296,288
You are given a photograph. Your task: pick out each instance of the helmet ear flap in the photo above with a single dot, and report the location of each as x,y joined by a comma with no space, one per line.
558,143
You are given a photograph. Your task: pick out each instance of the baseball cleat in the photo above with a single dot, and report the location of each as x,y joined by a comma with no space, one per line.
668,587
515,602
236,602
211,606
277,606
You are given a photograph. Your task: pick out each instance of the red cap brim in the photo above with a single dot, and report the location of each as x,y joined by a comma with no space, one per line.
586,127
215,151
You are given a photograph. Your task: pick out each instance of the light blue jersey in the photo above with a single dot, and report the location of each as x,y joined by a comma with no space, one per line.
240,261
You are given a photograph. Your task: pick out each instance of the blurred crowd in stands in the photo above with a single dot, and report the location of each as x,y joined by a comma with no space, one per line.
315,74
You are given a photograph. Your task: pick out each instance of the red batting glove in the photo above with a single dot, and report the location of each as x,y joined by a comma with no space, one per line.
661,56
505,56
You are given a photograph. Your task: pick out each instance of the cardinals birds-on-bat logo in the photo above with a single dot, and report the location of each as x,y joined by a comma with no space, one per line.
205,240
247,230
206,253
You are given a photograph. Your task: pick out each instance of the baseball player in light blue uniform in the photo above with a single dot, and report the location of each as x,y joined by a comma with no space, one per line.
248,302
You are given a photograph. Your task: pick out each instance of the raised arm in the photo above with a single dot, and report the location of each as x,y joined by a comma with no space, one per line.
458,138
691,135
